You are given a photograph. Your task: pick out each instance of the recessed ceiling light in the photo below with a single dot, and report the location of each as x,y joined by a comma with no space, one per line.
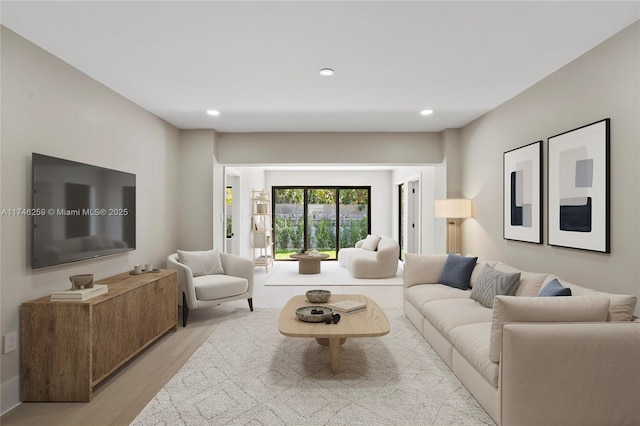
326,72
426,112
213,112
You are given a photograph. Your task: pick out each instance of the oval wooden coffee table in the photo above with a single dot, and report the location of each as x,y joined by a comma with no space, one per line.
308,264
370,322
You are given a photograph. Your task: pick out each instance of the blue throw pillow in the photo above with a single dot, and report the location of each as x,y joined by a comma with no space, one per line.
457,271
554,288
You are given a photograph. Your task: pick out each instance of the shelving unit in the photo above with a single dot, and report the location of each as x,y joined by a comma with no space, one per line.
261,230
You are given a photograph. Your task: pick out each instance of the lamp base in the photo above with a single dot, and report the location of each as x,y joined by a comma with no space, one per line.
452,237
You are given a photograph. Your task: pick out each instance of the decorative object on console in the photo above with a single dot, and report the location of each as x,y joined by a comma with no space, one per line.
138,270
522,194
452,209
578,168
81,281
457,271
79,294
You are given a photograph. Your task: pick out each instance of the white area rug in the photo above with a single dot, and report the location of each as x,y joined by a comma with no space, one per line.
247,373
331,273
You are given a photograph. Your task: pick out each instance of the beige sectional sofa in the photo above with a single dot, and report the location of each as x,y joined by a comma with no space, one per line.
532,360
372,257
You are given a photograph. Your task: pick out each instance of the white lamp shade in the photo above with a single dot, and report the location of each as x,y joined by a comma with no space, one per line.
453,208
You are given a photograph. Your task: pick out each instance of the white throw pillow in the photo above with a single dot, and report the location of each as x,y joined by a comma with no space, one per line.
202,262
371,242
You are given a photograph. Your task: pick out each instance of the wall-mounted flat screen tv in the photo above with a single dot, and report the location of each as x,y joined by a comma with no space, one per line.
79,211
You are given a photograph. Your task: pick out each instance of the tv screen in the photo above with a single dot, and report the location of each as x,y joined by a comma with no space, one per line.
80,211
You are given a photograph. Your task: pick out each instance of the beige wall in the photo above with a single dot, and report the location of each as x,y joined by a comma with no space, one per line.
329,148
51,108
602,83
195,198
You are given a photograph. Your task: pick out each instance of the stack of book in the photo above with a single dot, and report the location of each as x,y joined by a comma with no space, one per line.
348,306
79,295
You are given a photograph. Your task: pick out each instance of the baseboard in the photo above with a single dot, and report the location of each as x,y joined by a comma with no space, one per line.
10,395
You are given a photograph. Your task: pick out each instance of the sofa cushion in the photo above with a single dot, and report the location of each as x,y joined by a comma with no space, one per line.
418,295
621,306
473,343
445,315
478,268
371,242
210,287
554,288
508,309
530,282
201,262
422,269
491,283
457,271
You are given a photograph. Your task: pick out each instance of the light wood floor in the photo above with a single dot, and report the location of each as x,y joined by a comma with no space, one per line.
119,399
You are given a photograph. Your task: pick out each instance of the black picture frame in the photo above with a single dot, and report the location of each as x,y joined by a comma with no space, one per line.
522,194
578,192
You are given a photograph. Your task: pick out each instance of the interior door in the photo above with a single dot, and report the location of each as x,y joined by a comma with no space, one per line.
231,214
413,216
402,229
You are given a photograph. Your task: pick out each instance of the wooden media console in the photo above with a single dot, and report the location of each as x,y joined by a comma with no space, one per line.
69,347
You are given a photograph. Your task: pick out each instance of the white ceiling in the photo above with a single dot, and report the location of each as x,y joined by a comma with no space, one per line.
258,62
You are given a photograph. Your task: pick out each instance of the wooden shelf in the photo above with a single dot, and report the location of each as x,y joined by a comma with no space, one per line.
261,230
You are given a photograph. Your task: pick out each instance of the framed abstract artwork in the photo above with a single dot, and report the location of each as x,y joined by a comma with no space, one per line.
522,194
579,188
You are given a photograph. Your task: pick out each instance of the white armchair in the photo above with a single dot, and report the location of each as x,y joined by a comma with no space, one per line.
211,289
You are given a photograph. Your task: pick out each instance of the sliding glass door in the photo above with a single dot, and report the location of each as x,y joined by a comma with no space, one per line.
319,218
354,215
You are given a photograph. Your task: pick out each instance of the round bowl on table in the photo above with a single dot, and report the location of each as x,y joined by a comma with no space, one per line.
318,296
314,313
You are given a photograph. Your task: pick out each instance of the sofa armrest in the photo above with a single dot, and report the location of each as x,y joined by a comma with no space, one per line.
570,374
388,251
423,268
238,266
185,281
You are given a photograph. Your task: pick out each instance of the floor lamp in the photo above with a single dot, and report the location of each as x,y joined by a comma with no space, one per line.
453,209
